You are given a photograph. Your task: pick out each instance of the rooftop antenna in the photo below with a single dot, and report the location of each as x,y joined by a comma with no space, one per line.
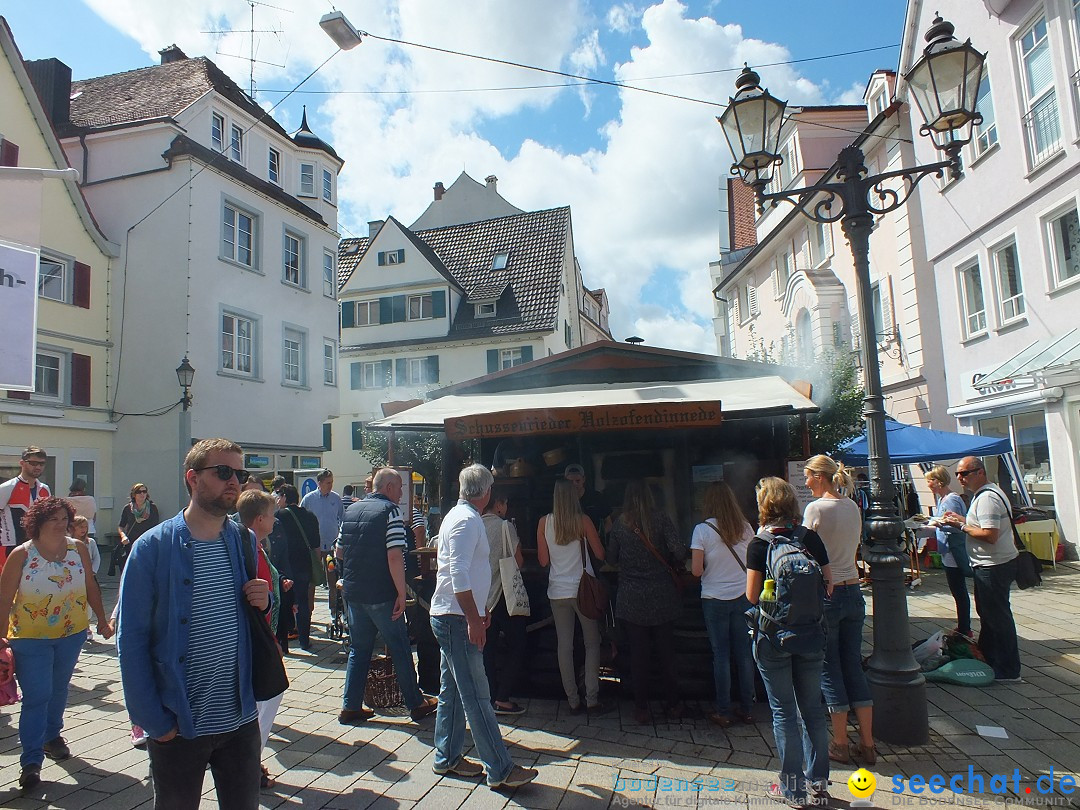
251,32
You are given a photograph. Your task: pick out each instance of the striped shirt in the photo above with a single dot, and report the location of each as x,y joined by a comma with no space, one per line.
211,667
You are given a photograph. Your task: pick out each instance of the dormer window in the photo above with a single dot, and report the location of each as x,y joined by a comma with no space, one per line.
498,261
236,144
878,104
486,309
217,132
307,179
391,257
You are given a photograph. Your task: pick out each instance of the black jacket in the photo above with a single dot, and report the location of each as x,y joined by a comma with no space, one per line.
290,546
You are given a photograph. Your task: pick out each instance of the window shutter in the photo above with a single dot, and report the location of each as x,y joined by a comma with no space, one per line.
526,354
400,305
356,376
887,316
18,394
827,228
493,361
751,299
386,310
81,287
385,369
733,297
400,255
438,304
433,368
382,258
348,314
776,282
9,155
80,380
327,436
357,435
401,371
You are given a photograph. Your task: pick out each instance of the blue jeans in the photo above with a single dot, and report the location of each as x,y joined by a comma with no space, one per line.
43,668
464,694
364,622
997,636
726,623
844,683
793,683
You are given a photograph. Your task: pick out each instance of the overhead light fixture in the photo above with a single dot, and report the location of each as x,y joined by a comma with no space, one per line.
339,29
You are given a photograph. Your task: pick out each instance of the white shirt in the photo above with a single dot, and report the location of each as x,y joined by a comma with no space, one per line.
564,575
463,561
988,511
723,577
838,523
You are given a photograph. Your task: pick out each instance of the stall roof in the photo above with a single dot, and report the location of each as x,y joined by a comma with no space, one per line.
758,396
909,444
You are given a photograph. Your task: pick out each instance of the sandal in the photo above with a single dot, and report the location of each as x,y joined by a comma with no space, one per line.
267,780
866,753
838,751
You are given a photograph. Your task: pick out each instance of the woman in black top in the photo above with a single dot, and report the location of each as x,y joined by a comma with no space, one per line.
792,680
138,517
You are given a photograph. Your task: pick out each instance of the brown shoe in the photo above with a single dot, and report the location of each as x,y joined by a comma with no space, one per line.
463,767
517,777
720,720
354,717
424,709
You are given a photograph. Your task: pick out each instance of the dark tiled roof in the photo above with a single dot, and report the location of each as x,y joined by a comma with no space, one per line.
536,243
160,91
488,291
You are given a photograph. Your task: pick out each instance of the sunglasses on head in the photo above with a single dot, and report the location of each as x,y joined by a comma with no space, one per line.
224,472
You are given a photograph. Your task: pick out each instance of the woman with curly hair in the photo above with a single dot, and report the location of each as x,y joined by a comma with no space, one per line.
44,588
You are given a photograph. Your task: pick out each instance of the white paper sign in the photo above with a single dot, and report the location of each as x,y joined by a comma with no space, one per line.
18,316
797,479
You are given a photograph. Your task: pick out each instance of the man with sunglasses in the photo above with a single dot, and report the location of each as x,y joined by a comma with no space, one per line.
184,644
993,563
17,495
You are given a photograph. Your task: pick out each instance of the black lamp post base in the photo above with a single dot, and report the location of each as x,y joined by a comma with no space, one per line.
900,711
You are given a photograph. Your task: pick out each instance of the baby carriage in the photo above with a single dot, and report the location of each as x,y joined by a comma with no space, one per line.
338,627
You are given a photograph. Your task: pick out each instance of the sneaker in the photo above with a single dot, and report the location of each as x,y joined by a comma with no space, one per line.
517,777
512,709
138,737
57,749
777,794
429,706
30,777
463,767
1009,680
354,717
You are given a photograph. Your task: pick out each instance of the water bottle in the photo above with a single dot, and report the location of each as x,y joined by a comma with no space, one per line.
768,592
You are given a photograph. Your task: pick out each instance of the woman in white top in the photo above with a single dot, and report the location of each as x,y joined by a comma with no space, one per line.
836,518
718,556
559,539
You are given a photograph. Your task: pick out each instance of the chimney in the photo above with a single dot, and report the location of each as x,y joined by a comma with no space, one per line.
742,207
172,54
491,180
439,191
373,227
52,80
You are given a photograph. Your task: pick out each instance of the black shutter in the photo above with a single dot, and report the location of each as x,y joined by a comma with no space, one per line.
433,368
438,304
400,304
401,256
357,435
526,354
493,360
327,436
401,371
382,258
348,314
386,310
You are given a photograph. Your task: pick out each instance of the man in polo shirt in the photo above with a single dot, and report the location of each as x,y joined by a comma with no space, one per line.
184,644
326,505
460,625
373,585
17,495
990,548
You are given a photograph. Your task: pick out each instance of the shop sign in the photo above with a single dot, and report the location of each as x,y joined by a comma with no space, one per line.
665,416
253,462
310,463
999,387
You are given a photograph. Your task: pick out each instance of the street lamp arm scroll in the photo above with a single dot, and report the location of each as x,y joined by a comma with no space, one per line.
892,197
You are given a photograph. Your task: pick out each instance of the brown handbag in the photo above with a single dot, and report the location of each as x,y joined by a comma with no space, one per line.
592,595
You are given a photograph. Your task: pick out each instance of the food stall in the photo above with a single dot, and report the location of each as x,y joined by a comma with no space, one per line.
675,419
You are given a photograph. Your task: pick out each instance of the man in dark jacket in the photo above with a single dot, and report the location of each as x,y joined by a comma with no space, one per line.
295,536
373,585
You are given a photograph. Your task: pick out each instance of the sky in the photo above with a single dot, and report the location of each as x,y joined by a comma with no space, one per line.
641,172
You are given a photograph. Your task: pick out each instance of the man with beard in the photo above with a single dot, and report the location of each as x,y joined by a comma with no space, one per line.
183,640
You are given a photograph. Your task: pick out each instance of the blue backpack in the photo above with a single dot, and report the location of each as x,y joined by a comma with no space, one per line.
795,622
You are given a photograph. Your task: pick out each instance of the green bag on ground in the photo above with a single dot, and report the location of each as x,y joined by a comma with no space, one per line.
964,672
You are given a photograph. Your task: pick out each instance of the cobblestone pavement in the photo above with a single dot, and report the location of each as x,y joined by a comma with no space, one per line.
593,762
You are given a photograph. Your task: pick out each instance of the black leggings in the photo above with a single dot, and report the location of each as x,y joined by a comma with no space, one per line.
958,586
649,645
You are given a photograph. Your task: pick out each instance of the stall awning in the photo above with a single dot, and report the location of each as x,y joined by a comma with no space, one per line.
909,444
759,396
1046,355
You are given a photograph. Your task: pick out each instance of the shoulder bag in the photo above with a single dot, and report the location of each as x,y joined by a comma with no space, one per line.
1028,566
680,583
268,677
513,586
318,575
592,595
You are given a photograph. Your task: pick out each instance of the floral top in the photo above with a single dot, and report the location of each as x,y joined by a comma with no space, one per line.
51,600
647,594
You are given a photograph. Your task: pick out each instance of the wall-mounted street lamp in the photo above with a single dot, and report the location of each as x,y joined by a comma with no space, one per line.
185,375
944,83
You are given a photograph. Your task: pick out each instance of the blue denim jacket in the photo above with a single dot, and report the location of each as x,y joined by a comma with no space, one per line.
152,627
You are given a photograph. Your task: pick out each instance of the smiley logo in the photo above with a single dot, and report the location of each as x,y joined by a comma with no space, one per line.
862,784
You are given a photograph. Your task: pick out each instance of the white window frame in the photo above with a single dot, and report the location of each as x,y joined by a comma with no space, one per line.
329,271
232,224
973,323
236,144
293,355
819,237
499,261
508,358
371,308
328,185
369,370
217,143
236,352
1055,252
420,299
1011,308
307,179
273,166
329,362
486,309
66,283
878,313
415,371
62,361
985,137
299,270
1036,100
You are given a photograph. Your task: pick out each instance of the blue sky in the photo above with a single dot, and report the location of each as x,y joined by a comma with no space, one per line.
641,173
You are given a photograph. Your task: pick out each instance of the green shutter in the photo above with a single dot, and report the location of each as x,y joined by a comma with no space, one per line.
386,310
401,256
382,258
401,371
433,368
400,306
493,360
357,435
438,304
348,314
327,436
356,376
526,354
385,367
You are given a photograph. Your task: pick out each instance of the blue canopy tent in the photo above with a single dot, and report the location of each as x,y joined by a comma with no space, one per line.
910,445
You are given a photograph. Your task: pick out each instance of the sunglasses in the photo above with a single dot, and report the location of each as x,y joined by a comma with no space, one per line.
965,473
140,492
225,472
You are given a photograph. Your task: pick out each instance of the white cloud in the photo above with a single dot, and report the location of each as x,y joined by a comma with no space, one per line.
853,95
621,18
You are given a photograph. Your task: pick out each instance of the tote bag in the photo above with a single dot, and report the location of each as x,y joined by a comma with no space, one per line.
517,598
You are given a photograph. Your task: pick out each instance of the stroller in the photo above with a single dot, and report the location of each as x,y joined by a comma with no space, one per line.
338,626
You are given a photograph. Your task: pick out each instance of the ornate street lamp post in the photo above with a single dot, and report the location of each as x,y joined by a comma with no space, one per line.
185,375
944,83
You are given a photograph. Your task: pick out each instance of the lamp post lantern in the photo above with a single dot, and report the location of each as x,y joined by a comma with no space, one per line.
185,375
944,83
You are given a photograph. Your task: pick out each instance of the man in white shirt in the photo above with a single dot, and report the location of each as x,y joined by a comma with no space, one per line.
459,622
990,547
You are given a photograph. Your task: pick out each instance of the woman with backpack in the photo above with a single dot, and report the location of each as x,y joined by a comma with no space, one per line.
718,555
789,642
837,520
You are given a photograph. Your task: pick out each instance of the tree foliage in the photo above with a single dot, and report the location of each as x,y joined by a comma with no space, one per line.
838,392
421,450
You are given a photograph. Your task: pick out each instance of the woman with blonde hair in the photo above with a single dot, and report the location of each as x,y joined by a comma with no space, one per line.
792,679
559,543
718,555
952,545
838,521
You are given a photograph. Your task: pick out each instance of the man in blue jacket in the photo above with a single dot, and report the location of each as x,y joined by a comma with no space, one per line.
183,643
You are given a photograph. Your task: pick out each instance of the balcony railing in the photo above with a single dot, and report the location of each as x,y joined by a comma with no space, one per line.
1043,127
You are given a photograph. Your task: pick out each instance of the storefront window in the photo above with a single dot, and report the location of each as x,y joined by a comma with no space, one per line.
1027,431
